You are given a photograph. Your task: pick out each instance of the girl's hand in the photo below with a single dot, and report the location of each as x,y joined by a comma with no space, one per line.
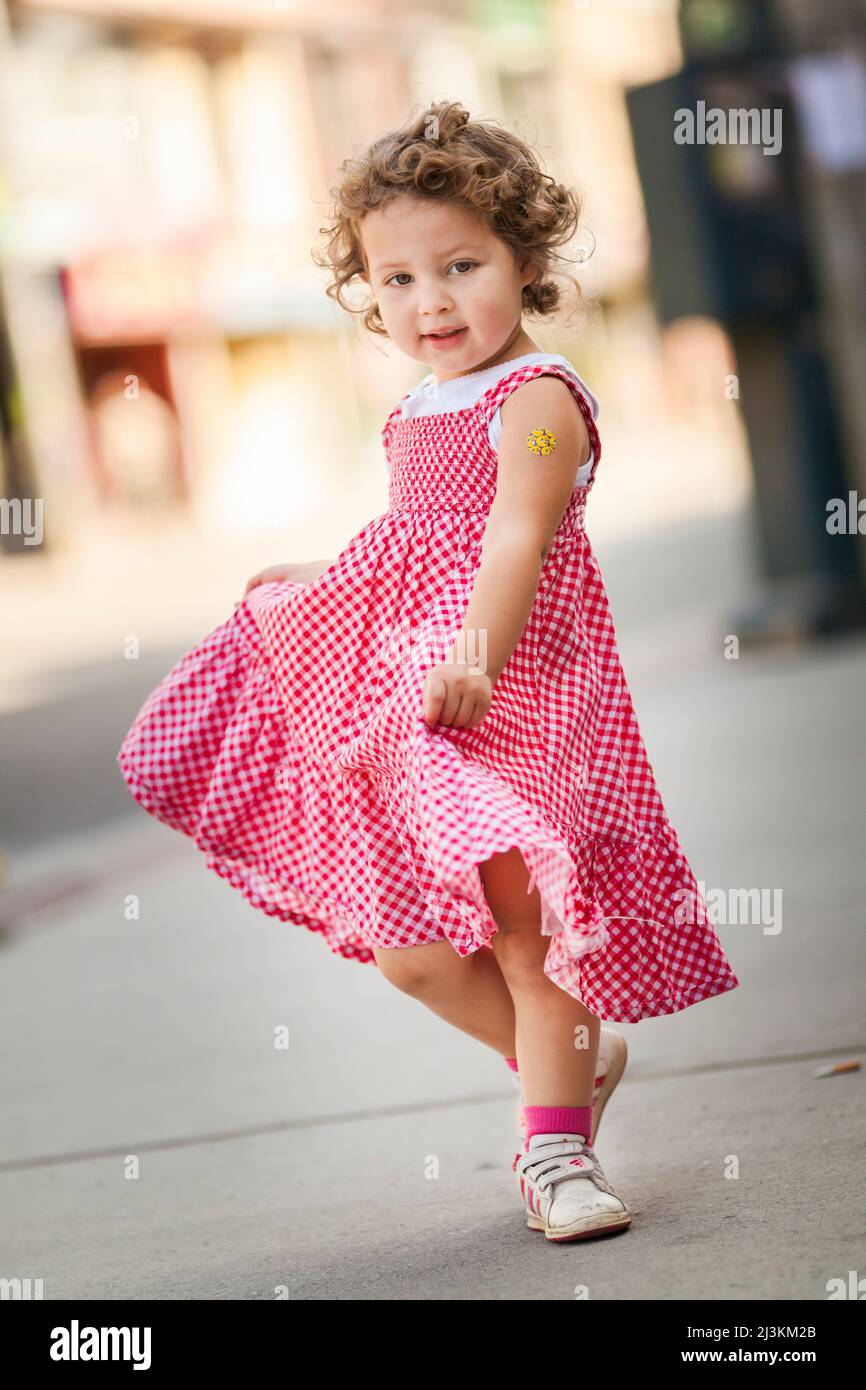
456,694
299,574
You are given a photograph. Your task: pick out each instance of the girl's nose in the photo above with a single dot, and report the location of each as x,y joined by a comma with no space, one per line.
433,301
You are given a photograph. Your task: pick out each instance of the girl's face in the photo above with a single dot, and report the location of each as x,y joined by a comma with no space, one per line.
434,265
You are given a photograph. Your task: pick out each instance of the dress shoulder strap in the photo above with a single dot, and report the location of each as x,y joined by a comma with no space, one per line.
491,399
388,427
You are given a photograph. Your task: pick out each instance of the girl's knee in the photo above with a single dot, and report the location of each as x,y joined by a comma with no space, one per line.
517,913
417,970
520,953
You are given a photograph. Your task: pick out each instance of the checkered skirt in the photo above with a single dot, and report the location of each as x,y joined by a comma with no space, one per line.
290,745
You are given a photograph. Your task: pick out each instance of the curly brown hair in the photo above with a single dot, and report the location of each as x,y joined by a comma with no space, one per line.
441,153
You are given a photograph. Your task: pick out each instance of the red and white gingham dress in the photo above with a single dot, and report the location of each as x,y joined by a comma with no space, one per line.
290,744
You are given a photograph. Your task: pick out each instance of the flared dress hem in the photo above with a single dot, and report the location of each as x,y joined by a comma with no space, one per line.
286,902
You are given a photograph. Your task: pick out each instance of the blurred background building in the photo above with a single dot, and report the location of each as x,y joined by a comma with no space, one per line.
761,224
177,387
189,406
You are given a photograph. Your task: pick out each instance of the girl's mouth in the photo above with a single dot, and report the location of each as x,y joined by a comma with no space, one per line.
443,340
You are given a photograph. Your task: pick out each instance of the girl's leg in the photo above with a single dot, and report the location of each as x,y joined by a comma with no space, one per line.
467,991
556,1039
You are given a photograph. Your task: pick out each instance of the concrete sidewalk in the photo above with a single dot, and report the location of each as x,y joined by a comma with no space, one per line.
307,1168
152,1040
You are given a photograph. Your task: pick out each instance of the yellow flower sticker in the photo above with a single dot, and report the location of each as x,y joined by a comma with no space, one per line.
541,441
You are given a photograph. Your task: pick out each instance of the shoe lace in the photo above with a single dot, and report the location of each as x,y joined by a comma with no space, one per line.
561,1159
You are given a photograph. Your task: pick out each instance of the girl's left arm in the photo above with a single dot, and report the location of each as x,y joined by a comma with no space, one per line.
532,492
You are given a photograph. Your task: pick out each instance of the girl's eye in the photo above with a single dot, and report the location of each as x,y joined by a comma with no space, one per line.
394,278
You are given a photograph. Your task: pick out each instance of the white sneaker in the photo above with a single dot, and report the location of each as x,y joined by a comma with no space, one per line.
566,1193
612,1058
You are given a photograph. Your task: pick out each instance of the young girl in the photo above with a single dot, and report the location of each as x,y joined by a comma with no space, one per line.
427,746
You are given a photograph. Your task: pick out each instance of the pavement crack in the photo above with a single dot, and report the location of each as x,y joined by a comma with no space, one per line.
223,1136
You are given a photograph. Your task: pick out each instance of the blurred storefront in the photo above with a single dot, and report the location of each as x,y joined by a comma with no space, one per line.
166,169
170,334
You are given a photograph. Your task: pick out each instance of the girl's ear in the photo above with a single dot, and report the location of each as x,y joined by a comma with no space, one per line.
528,273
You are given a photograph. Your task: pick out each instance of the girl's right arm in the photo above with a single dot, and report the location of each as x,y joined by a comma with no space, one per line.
304,573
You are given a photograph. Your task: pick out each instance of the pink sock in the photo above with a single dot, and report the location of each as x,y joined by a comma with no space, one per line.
558,1119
